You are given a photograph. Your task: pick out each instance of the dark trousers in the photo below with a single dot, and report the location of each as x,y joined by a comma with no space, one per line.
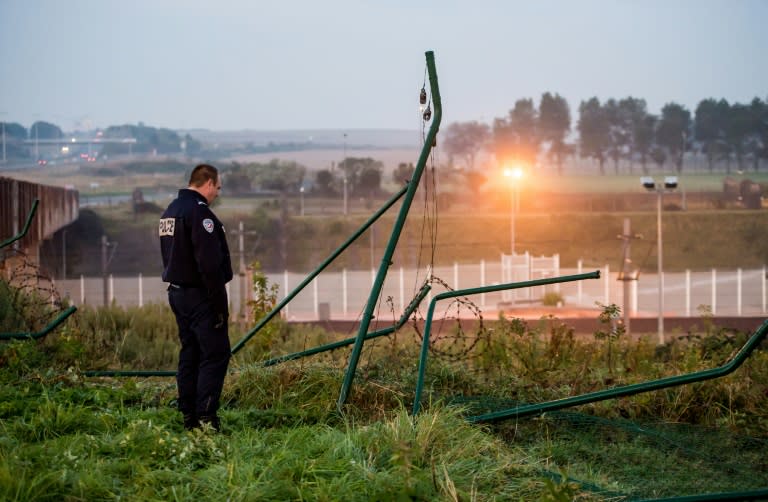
204,354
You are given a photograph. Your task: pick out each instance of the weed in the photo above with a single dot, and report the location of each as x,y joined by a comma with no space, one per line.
612,329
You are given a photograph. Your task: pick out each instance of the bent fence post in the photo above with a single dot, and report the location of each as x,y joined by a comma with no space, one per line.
386,259
629,390
474,291
349,341
62,316
264,320
24,230
50,327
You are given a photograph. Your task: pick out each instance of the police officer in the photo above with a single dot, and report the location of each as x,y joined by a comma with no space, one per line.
197,265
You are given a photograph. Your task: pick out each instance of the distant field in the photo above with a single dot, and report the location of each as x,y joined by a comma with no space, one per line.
695,240
81,177
71,175
586,183
315,160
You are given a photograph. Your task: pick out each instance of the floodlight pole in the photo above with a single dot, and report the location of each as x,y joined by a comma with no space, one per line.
344,180
514,176
512,220
660,195
669,183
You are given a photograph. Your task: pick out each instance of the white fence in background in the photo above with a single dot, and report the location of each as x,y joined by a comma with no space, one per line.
342,295
526,267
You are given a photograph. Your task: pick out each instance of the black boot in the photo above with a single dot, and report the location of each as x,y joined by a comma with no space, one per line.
211,420
191,421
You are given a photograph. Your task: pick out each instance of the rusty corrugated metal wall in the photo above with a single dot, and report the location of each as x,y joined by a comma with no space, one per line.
58,208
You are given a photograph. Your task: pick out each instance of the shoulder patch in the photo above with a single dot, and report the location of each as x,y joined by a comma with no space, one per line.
167,226
208,225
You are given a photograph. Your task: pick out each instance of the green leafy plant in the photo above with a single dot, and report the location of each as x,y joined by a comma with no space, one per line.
263,300
612,328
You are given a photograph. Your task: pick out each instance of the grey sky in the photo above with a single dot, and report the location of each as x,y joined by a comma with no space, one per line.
343,64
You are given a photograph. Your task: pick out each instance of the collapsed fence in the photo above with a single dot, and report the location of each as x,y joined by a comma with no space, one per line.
28,301
424,291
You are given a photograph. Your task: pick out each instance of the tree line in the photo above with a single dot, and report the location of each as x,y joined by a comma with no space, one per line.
362,177
148,139
617,132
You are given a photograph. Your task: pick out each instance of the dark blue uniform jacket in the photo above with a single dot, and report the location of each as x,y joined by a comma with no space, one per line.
193,245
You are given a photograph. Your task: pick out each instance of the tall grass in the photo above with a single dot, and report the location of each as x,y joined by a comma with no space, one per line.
67,437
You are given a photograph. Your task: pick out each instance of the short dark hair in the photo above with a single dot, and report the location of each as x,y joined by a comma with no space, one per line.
201,174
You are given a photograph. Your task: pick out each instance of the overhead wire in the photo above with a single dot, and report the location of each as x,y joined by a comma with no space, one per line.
429,216
425,115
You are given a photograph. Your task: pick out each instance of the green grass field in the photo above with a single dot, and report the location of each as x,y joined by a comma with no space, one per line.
66,436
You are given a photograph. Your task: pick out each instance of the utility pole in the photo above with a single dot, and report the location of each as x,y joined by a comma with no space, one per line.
241,251
669,184
243,270
346,207
627,274
660,271
241,246
105,286
283,230
105,260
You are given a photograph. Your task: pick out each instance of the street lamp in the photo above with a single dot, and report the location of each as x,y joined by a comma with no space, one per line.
344,173
301,195
346,198
669,184
514,174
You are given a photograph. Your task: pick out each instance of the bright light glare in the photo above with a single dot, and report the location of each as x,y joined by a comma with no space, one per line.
514,172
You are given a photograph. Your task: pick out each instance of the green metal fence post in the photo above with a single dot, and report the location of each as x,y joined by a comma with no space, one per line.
50,327
632,389
24,230
264,320
349,341
396,231
62,316
474,291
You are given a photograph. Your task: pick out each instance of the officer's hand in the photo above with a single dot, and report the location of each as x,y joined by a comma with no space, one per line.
220,304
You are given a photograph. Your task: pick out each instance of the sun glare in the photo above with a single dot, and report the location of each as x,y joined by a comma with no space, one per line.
515,172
